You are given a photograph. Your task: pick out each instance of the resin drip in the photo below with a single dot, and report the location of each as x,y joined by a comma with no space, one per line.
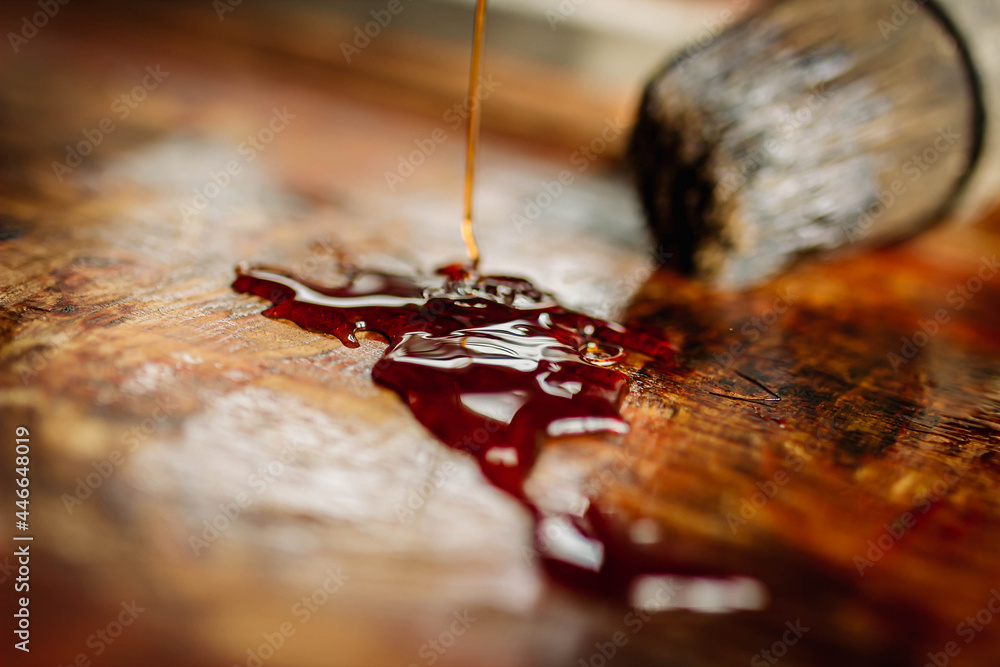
490,365
472,139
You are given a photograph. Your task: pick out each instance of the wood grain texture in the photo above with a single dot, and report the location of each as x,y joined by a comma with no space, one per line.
120,334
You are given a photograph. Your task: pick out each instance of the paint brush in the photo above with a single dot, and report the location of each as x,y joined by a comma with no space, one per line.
812,128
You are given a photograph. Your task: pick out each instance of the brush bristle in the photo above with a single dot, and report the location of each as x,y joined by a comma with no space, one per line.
809,127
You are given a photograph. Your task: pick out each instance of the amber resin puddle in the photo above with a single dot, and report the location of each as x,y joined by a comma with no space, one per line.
491,366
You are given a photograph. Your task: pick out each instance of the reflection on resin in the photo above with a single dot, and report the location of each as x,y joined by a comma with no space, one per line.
492,366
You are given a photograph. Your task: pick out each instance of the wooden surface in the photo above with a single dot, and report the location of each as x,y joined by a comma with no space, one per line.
123,343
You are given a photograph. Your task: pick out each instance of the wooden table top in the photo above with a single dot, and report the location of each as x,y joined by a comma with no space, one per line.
158,401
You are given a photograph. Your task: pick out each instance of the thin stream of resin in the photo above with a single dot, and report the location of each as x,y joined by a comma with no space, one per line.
472,132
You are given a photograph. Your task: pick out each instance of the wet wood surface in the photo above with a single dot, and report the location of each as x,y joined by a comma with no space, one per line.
160,403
